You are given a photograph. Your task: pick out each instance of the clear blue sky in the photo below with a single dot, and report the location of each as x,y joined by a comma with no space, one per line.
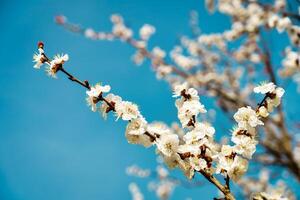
51,145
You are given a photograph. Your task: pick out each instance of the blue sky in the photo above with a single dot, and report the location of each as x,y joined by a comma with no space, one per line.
51,145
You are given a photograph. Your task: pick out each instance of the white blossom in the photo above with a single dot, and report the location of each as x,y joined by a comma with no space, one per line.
137,126
283,24
168,144
97,90
263,111
200,131
188,110
135,132
189,148
113,99
246,117
182,89
245,146
158,52
238,168
60,59
158,128
198,163
276,100
265,88
126,110
56,63
94,93
121,31
39,58
90,33
146,31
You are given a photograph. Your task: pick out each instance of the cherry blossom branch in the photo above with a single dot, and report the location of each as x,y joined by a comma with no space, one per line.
56,65
59,67
234,102
199,70
225,189
230,160
286,138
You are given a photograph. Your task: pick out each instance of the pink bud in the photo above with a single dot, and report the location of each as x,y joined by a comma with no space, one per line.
40,44
60,19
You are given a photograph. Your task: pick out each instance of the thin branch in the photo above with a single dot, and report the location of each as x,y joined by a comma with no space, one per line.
71,77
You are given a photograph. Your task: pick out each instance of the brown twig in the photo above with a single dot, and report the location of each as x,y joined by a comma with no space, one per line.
71,77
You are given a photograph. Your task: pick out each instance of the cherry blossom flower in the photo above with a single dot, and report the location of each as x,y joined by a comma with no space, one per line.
168,144
198,163
94,93
246,117
265,88
135,132
56,63
39,59
245,145
112,99
127,110
146,31
200,131
188,110
237,169
158,52
137,126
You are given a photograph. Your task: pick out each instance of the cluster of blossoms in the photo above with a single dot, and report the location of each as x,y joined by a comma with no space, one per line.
194,151
119,28
52,66
252,15
260,188
272,98
232,159
164,184
248,19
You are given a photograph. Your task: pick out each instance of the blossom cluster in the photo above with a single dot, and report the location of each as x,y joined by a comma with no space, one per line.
163,185
52,66
232,158
260,188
